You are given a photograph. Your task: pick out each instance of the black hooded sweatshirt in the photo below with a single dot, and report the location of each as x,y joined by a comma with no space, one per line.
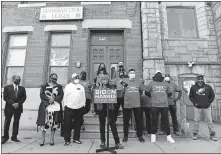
201,96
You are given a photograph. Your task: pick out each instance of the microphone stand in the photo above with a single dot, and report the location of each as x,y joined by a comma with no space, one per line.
107,148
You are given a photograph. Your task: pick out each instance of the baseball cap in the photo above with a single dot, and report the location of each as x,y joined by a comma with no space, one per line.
75,75
200,75
158,71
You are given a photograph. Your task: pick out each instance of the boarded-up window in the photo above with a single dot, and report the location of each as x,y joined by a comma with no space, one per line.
59,56
181,22
16,56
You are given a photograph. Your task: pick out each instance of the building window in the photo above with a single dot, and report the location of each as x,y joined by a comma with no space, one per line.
181,22
59,56
16,56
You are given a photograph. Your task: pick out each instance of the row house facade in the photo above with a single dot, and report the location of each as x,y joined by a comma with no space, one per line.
182,39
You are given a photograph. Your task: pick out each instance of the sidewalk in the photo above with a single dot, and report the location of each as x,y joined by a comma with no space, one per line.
30,141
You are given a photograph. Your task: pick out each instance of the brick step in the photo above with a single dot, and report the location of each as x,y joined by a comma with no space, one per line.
95,134
92,119
96,126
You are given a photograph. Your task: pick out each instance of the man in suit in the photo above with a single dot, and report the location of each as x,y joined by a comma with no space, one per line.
14,96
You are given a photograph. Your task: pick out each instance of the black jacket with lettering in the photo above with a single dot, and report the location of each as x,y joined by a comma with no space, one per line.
201,96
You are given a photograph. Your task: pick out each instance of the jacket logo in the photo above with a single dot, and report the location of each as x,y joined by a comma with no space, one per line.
201,91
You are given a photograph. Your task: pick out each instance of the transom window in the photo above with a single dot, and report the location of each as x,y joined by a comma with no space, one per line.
16,56
181,22
59,56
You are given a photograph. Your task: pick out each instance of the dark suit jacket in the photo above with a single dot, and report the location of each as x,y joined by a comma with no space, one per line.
10,98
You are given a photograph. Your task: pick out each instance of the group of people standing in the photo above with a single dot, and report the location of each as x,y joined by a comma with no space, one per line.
66,107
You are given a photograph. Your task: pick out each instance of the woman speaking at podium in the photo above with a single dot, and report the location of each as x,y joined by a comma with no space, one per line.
102,114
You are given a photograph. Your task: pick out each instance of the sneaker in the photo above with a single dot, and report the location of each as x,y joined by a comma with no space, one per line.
141,139
153,138
77,141
119,146
66,143
125,139
170,139
213,138
195,137
102,145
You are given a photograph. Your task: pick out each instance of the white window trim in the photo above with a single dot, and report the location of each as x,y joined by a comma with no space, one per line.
96,3
18,29
106,23
60,28
32,5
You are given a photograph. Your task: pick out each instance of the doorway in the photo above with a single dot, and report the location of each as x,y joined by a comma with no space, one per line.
106,47
186,81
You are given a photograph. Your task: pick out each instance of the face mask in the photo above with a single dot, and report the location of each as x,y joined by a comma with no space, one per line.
76,81
17,81
132,76
54,80
158,77
102,68
83,77
121,66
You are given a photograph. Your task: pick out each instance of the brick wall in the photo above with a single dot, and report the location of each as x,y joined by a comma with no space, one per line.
37,51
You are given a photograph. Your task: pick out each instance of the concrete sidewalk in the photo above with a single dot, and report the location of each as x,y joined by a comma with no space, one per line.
30,141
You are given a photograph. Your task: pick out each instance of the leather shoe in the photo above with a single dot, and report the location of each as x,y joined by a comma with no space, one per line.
4,140
15,139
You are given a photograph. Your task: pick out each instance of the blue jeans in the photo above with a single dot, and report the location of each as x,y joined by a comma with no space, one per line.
207,115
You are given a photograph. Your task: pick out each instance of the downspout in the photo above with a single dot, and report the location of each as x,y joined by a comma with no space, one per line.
141,26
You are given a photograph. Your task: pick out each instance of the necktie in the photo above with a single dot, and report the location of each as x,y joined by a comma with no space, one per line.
16,91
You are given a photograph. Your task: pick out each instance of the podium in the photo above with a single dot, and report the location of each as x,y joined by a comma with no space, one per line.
106,96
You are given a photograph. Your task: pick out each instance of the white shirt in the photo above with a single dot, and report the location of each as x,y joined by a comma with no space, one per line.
74,96
15,86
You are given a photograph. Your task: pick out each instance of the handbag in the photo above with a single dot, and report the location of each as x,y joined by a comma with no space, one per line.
53,107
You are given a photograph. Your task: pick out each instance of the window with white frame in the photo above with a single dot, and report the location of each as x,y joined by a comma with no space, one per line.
59,56
181,22
16,56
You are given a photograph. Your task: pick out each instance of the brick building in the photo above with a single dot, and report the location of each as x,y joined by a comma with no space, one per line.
108,32
43,37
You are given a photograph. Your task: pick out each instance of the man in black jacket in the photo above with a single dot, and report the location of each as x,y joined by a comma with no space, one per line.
202,96
14,96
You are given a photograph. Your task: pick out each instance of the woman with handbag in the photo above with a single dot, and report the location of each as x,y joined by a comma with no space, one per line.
50,113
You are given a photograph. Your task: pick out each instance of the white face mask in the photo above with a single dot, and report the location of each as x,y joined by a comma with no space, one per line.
132,76
76,81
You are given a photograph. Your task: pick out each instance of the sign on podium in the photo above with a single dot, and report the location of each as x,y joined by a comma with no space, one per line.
105,96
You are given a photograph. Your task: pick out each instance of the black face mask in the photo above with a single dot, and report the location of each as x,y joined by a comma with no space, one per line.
158,77
54,80
83,77
102,68
121,66
121,72
17,81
